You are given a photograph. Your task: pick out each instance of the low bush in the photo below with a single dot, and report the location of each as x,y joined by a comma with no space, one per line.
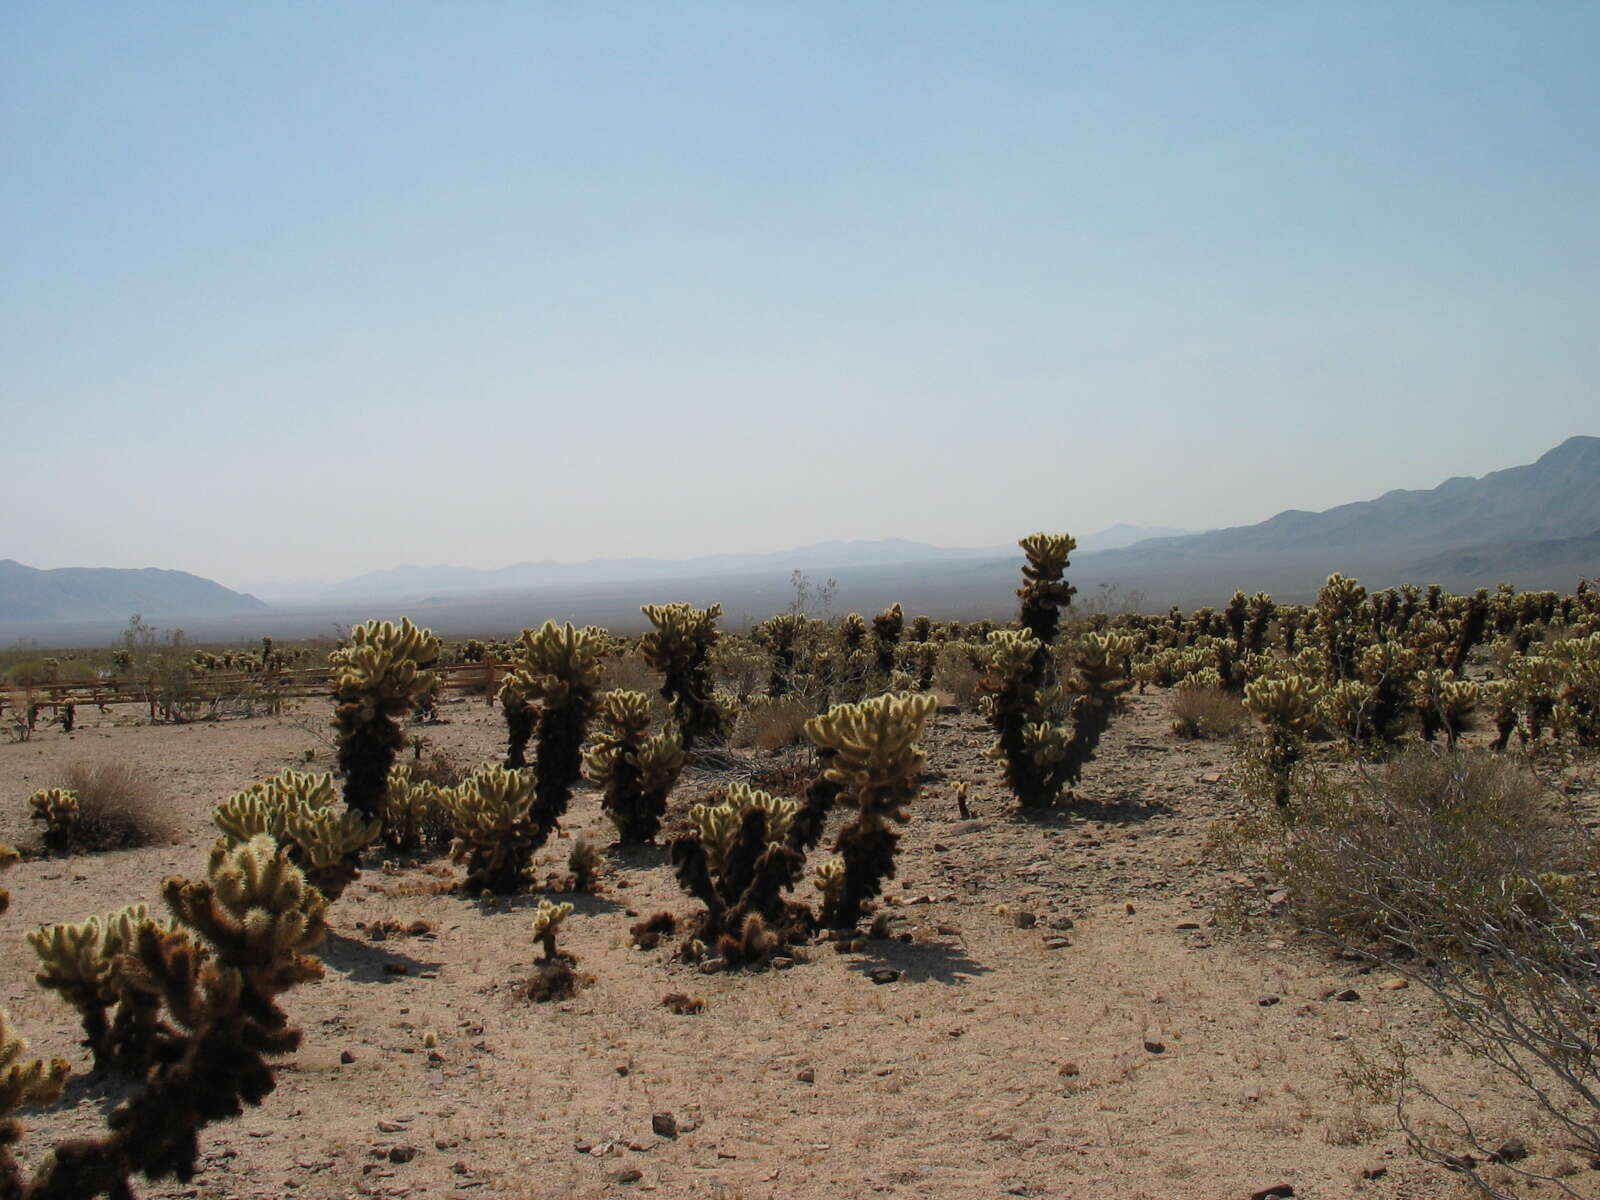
766,724
120,807
1207,713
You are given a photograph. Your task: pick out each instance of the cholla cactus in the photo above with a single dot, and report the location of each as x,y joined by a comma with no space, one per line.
58,809
1443,702
547,919
559,668
636,772
495,831
379,678
680,648
411,809
875,763
1261,610
1043,755
1338,614
781,636
1344,707
301,811
86,965
258,917
737,862
1286,706
584,864
887,628
23,1082
1044,592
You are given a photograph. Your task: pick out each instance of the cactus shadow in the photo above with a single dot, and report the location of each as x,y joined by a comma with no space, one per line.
919,962
361,961
104,1089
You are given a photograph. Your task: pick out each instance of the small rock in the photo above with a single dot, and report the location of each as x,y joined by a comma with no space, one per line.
1279,1191
883,974
664,1124
628,1175
1068,1069
1374,1172
1057,943
806,1075
1155,1047
346,1057
1348,996
1279,897
583,1146
391,1126
1129,908
1211,777
402,1154
1268,1000
711,966
1024,920
1061,923
782,962
1395,984
1511,1150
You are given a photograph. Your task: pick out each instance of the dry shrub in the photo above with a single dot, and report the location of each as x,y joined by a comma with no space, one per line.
1463,873
440,768
120,807
1208,713
628,672
956,675
766,724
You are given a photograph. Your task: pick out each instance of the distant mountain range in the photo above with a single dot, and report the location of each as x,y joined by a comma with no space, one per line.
108,593
1536,526
435,582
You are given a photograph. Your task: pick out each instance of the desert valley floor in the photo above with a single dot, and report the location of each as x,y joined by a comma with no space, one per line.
1063,1015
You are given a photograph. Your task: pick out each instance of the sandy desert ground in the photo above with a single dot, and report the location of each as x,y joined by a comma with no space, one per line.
1066,1017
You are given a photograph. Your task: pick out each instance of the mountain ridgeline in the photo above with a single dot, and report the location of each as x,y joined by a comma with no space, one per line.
111,594
1535,526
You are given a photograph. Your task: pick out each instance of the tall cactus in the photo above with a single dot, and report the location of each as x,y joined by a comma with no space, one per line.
558,668
379,677
875,762
1044,592
680,648
635,770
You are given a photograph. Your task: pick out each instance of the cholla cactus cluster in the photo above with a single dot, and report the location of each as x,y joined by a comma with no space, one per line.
380,677
1045,591
58,809
680,648
1286,706
90,966
737,861
413,810
239,940
874,762
302,812
496,834
635,769
557,681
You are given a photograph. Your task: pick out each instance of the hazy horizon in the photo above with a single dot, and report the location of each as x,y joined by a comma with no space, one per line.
300,293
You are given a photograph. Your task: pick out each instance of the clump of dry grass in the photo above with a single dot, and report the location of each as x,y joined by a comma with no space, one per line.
766,724
957,675
120,807
1207,713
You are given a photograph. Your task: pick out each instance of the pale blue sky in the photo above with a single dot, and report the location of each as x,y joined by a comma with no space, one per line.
302,290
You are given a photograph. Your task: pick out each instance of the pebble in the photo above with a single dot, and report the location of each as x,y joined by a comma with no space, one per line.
883,974
402,1154
664,1124
806,1075
1155,1047
1268,1000
1025,920
1348,996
